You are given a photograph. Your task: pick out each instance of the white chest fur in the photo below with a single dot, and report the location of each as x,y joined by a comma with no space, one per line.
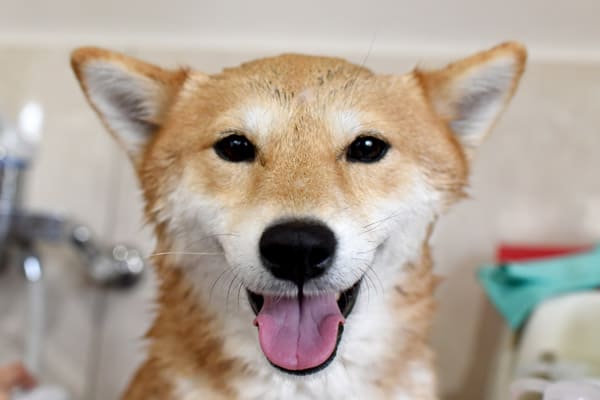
368,346
342,382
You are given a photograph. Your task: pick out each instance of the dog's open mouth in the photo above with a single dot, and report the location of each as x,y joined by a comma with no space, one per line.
300,335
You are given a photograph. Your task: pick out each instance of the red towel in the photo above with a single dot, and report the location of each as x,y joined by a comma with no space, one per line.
509,253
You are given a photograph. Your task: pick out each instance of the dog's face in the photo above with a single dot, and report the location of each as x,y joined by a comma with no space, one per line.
310,175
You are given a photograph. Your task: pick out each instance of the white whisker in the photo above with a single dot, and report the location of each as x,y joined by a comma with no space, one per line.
185,253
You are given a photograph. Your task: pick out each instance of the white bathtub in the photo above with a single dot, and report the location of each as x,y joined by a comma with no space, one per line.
560,341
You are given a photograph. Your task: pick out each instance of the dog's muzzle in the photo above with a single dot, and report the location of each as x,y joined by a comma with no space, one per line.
300,334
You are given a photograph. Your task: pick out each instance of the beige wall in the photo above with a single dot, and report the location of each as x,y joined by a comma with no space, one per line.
535,180
552,29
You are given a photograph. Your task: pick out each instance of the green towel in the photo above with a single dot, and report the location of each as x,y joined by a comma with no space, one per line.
516,288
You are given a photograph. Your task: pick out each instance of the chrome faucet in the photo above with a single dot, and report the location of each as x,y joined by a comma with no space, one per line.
22,230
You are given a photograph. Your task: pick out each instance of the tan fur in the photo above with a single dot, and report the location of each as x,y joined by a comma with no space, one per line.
182,328
301,145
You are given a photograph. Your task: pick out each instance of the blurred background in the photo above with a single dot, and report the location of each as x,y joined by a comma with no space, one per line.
535,180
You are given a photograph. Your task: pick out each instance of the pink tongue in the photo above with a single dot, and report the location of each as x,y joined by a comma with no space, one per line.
298,335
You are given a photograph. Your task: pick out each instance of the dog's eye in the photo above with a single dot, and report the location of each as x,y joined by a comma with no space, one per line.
235,148
367,149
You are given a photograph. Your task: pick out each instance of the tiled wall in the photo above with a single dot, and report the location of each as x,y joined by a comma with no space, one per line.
535,180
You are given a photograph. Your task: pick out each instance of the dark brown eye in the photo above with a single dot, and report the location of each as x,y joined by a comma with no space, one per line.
366,149
235,148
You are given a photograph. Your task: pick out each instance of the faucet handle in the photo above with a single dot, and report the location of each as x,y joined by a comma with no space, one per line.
117,266
120,266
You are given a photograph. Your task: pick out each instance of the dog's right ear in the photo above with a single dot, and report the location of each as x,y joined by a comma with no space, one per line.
130,96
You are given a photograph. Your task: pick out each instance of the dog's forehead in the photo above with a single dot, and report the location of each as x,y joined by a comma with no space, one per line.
291,73
274,95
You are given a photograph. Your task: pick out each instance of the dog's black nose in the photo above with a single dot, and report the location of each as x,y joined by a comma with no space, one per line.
297,250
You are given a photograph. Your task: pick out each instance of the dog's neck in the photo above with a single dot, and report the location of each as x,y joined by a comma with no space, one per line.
196,353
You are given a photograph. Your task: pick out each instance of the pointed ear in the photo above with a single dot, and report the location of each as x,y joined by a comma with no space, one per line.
130,96
472,93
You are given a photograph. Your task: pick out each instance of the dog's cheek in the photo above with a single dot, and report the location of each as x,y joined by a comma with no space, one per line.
399,223
193,218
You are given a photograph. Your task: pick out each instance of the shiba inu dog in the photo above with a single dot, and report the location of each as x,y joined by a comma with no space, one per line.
292,199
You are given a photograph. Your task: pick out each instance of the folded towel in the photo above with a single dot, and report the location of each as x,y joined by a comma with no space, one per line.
516,288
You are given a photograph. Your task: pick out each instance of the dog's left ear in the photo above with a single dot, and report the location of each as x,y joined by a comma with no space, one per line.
471,94
131,97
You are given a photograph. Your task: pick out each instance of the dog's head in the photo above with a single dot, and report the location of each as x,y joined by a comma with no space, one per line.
307,173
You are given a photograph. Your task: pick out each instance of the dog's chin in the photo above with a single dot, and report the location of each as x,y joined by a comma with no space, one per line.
330,328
